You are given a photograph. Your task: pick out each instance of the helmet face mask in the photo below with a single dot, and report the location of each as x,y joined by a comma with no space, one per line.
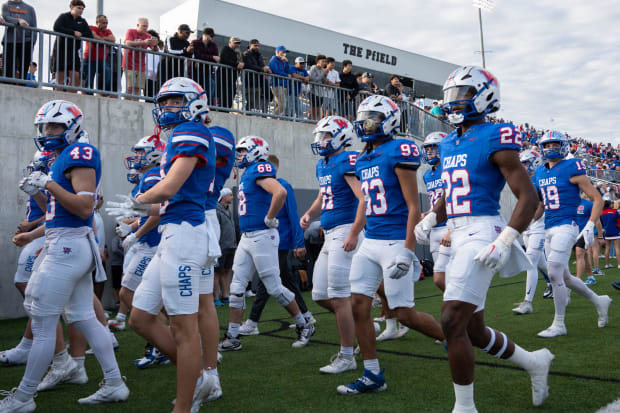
58,124
148,153
430,148
470,93
180,100
332,133
322,144
378,118
554,145
250,150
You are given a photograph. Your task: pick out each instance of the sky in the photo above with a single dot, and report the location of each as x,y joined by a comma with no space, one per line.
557,61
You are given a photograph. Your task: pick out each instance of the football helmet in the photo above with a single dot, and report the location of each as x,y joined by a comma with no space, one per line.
224,141
554,153
152,151
134,176
532,158
432,140
194,107
60,112
331,134
41,161
470,93
378,117
257,150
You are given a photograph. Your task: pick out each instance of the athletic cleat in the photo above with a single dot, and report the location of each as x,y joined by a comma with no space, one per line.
459,409
548,292
309,320
79,376
201,391
249,328
597,271
151,357
229,343
402,330
367,383
107,394
609,266
303,335
13,357
376,302
590,281
524,308
388,334
218,303
10,404
379,319
219,358
216,390
539,375
555,330
61,374
339,363
616,285
603,310
116,324
249,293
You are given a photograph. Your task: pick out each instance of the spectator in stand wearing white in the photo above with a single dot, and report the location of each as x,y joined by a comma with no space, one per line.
18,42
317,75
279,86
179,46
96,56
134,62
332,78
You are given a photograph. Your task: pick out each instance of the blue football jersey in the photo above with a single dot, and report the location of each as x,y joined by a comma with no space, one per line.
472,184
289,229
222,172
148,180
254,201
434,188
386,209
584,210
135,190
33,212
560,196
609,219
78,155
339,201
189,139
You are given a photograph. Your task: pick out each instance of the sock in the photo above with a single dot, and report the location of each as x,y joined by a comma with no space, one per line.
464,395
233,330
24,345
79,361
61,358
372,366
560,295
531,281
101,343
558,319
346,351
300,321
522,358
211,372
121,317
390,323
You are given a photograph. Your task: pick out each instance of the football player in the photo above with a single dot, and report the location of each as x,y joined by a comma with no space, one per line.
387,171
261,196
172,278
339,190
559,181
477,160
61,282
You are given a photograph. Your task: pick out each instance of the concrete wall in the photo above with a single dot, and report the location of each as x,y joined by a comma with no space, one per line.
113,126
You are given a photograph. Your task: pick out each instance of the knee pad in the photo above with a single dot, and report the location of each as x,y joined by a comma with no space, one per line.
338,284
285,297
237,288
237,301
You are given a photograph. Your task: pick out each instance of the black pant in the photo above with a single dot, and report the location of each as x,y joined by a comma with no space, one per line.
17,67
287,280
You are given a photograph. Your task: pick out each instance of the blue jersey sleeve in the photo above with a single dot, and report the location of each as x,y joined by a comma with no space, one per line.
291,204
348,167
81,155
502,137
576,167
264,170
150,179
190,139
405,154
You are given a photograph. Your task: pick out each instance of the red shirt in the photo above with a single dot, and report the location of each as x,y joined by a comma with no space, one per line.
99,51
135,60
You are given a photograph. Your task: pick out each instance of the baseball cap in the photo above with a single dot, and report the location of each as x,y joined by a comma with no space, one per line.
300,60
367,74
254,41
281,49
209,31
185,28
235,39
224,192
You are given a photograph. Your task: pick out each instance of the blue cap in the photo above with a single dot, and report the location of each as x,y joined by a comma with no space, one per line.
281,49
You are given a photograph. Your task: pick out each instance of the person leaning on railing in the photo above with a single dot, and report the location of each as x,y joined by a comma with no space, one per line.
205,49
96,56
17,41
134,63
255,90
227,76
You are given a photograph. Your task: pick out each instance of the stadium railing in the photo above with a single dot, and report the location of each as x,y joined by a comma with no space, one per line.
228,89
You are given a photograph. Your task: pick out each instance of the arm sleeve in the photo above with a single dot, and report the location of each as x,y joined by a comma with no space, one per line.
406,154
348,166
60,25
6,15
87,32
293,217
87,157
577,167
186,141
503,136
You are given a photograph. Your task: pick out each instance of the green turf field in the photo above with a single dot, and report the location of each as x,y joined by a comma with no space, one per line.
269,375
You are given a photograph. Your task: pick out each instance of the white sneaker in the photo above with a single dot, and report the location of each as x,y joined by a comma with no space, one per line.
309,320
216,390
79,376
602,308
539,375
554,331
339,363
303,335
58,374
116,324
250,293
107,394
380,319
201,391
459,409
13,357
402,330
388,334
249,328
10,404
524,308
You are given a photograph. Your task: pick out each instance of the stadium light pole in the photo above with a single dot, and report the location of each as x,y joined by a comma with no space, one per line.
487,5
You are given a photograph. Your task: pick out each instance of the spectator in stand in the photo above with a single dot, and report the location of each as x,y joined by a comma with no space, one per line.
96,61
180,47
297,88
18,42
391,89
348,81
32,74
279,86
436,110
364,87
228,244
67,48
153,65
318,75
134,62
254,63
205,49
332,78
368,79
227,76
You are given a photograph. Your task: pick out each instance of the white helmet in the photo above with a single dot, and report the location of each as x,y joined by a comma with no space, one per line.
554,153
153,149
257,150
340,131
194,107
41,161
473,90
432,139
377,118
61,112
532,157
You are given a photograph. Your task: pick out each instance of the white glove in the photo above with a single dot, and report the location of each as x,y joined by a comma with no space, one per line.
122,230
496,254
588,234
271,222
400,264
129,241
422,230
27,187
128,208
38,179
